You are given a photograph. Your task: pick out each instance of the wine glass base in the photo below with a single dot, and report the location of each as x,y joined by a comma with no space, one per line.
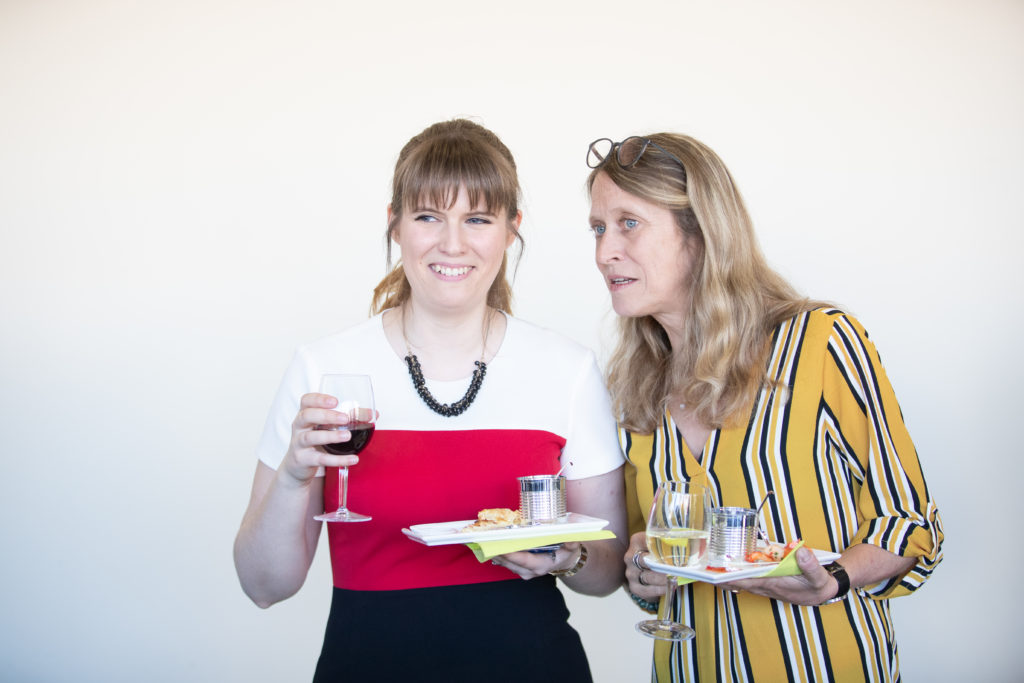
665,630
342,516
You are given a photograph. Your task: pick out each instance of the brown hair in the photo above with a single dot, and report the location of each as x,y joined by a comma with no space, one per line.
736,299
433,166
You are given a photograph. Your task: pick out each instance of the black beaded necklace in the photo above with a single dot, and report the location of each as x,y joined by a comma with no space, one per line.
445,409
420,383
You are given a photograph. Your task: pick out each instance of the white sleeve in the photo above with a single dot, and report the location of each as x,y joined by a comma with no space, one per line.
592,444
300,378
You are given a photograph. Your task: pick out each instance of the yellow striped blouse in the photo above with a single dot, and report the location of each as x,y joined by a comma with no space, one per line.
844,471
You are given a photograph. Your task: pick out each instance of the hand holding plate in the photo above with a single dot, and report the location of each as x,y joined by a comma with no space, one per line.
811,586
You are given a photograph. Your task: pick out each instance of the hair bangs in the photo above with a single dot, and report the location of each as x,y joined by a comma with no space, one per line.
437,172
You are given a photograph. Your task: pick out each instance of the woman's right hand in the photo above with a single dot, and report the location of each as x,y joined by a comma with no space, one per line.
304,457
643,582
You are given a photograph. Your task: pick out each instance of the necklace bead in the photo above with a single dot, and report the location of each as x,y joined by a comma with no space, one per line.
445,409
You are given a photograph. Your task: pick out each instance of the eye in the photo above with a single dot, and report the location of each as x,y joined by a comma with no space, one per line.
479,220
630,223
598,230
426,218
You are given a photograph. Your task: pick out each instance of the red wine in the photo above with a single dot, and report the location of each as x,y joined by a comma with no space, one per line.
361,433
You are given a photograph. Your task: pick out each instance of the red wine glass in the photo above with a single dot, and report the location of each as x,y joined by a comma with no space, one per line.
355,399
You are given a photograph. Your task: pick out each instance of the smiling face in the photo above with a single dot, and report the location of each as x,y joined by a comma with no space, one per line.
451,255
646,259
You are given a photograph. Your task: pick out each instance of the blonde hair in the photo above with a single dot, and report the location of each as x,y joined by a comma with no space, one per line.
433,166
736,299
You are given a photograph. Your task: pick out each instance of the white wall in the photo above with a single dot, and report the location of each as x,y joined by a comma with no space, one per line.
189,189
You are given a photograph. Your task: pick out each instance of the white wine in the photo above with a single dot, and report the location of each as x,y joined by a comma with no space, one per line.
678,547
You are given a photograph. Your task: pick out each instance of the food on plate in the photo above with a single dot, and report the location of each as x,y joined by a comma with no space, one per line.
772,552
759,556
494,518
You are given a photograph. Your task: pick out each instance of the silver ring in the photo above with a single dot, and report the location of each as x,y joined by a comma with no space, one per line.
495,562
640,579
636,559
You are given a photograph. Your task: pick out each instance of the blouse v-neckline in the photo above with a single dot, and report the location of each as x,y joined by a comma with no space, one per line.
698,460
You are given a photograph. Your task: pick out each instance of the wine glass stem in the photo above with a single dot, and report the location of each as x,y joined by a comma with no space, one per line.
668,602
343,489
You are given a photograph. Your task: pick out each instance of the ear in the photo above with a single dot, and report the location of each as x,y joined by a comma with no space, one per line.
516,222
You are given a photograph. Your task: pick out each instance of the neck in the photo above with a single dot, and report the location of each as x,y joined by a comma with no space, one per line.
446,346
427,330
674,325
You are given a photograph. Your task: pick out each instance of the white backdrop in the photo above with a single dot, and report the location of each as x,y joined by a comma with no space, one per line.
190,189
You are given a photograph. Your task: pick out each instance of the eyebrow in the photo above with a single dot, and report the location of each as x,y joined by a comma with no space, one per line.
619,211
483,211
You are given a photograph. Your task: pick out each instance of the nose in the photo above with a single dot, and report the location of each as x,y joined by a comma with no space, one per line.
608,249
452,239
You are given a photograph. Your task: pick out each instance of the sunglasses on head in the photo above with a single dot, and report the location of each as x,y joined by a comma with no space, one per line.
627,153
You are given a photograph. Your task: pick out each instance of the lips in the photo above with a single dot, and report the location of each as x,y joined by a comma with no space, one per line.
617,282
447,271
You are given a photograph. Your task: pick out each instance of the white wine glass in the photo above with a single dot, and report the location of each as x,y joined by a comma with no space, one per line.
355,399
677,534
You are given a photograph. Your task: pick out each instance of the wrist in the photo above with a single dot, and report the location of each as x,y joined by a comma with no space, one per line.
650,606
288,480
576,566
842,579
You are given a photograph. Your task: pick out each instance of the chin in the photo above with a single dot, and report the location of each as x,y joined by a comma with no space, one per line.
624,311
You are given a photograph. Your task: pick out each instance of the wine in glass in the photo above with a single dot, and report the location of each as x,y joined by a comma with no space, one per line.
355,399
677,534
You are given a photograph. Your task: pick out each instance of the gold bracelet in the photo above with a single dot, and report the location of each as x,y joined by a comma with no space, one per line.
566,573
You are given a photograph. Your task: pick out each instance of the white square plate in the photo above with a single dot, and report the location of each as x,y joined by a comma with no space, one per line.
740,570
447,533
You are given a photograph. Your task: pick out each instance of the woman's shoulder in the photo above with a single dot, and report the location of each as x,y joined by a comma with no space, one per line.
836,317
821,328
530,336
366,334
821,317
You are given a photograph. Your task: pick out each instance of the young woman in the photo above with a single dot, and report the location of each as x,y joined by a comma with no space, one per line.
469,399
725,376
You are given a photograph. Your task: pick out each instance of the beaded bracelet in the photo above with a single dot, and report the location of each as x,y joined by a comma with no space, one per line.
645,605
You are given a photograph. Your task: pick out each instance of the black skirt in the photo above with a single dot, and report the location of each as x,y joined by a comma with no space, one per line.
515,631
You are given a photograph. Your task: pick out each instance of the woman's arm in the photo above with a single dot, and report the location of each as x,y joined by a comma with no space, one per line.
601,496
864,564
278,536
898,524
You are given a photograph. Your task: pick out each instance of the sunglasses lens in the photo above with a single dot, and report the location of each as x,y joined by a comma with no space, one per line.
631,149
598,152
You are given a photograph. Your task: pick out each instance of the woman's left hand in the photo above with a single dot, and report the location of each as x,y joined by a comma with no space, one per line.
531,565
812,586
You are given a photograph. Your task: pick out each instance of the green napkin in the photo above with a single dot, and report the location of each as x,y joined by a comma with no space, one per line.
485,550
788,565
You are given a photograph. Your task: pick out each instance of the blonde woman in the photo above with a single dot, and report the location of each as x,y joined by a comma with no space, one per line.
725,376
469,399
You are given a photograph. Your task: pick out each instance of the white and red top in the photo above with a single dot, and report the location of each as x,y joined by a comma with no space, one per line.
542,405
